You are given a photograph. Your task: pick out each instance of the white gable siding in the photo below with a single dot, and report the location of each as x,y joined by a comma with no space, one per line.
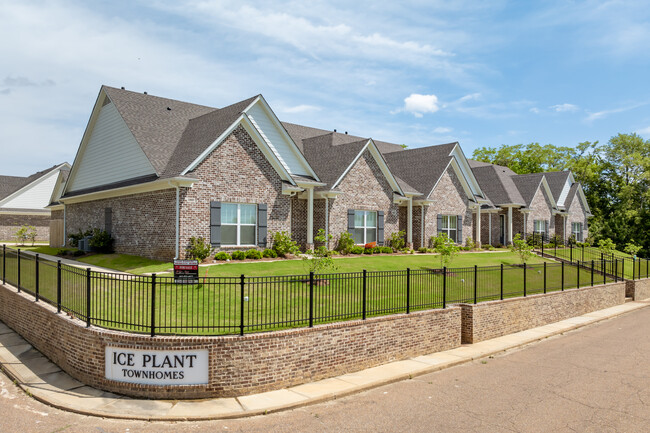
564,193
111,154
34,196
276,141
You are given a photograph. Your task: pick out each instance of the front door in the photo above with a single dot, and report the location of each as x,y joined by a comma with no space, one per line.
502,229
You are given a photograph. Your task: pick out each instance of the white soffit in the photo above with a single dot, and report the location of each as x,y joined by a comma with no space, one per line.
466,170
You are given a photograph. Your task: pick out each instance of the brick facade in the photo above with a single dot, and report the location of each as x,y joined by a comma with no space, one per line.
448,198
142,224
493,319
576,213
237,365
540,209
639,290
363,188
10,223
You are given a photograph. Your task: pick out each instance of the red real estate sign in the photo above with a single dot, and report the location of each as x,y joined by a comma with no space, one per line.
186,271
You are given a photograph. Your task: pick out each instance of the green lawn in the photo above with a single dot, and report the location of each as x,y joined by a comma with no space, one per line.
625,262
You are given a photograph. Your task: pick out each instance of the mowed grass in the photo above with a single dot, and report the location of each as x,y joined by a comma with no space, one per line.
214,305
626,266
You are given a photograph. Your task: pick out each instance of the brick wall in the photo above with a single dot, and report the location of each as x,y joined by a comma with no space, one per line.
493,319
142,224
448,198
363,188
486,226
638,290
540,209
237,171
10,223
577,213
237,365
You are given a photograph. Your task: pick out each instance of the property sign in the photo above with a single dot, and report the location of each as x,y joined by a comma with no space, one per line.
157,367
186,271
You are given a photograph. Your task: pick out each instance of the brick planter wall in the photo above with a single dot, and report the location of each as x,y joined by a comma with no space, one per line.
10,223
237,365
497,318
638,290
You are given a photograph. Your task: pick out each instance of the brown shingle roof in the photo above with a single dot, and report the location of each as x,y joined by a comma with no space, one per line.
528,184
11,184
330,160
497,184
556,181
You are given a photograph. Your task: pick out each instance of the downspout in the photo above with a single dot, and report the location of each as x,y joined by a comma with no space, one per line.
178,218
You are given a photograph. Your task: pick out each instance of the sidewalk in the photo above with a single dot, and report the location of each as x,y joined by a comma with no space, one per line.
46,382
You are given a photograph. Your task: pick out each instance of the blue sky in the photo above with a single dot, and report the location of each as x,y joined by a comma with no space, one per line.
418,73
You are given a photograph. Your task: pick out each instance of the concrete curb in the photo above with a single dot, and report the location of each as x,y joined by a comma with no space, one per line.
45,382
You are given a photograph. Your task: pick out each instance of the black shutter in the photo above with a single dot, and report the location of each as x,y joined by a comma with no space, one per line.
215,223
439,223
261,225
351,220
459,224
380,228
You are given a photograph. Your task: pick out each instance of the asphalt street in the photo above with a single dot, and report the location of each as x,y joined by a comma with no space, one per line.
596,379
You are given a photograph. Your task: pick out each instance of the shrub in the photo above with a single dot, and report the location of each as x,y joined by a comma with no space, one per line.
377,250
321,258
470,244
238,255
423,250
386,250
397,240
632,249
253,254
283,245
269,254
498,245
21,235
557,240
74,237
222,255
102,242
199,249
465,248
357,250
367,251
345,243
606,246
78,253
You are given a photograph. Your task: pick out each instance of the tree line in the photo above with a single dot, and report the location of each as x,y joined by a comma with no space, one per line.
615,177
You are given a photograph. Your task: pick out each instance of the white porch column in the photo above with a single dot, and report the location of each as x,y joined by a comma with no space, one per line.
422,226
525,224
409,224
478,225
490,228
509,240
327,221
310,216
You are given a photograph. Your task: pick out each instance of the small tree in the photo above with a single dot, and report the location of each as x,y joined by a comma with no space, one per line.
283,244
31,234
397,241
446,247
521,247
21,235
198,249
632,249
345,243
606,246
321,259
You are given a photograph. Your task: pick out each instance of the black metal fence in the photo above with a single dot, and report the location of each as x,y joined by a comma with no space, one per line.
236,305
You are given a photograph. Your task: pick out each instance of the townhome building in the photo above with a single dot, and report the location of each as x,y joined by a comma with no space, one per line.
155,172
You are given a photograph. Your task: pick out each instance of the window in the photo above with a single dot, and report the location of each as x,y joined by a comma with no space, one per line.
238,224
576,231
365,227
540,227
450,226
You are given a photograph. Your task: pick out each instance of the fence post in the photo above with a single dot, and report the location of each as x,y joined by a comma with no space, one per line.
153,305
311,299
578,276
87,297
542,245
501,289
583,252
36,271
444,287
241,308
364,294
562,276
475,275
592,273
58,286
633,263
4,264
604,272
524,280
18,270
622,269
616,270
571,253
544,277
408,290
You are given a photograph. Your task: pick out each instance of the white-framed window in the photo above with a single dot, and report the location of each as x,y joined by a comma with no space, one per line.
540,227
576,231
450,226
365,227
238,224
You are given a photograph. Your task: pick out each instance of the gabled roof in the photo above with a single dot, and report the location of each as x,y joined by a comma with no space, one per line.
497,184
421,167
25,193
11,184
556,181
528,184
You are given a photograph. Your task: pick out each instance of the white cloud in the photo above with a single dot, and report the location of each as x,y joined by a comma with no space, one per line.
604,113
643,131
303,108
561,108
534,110
442,130
471,96
419,104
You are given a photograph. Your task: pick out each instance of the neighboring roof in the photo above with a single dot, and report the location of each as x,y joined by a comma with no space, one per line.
556,181
528,184
156,123
497,184
328,158
200,133
421,167
11,184
299,133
